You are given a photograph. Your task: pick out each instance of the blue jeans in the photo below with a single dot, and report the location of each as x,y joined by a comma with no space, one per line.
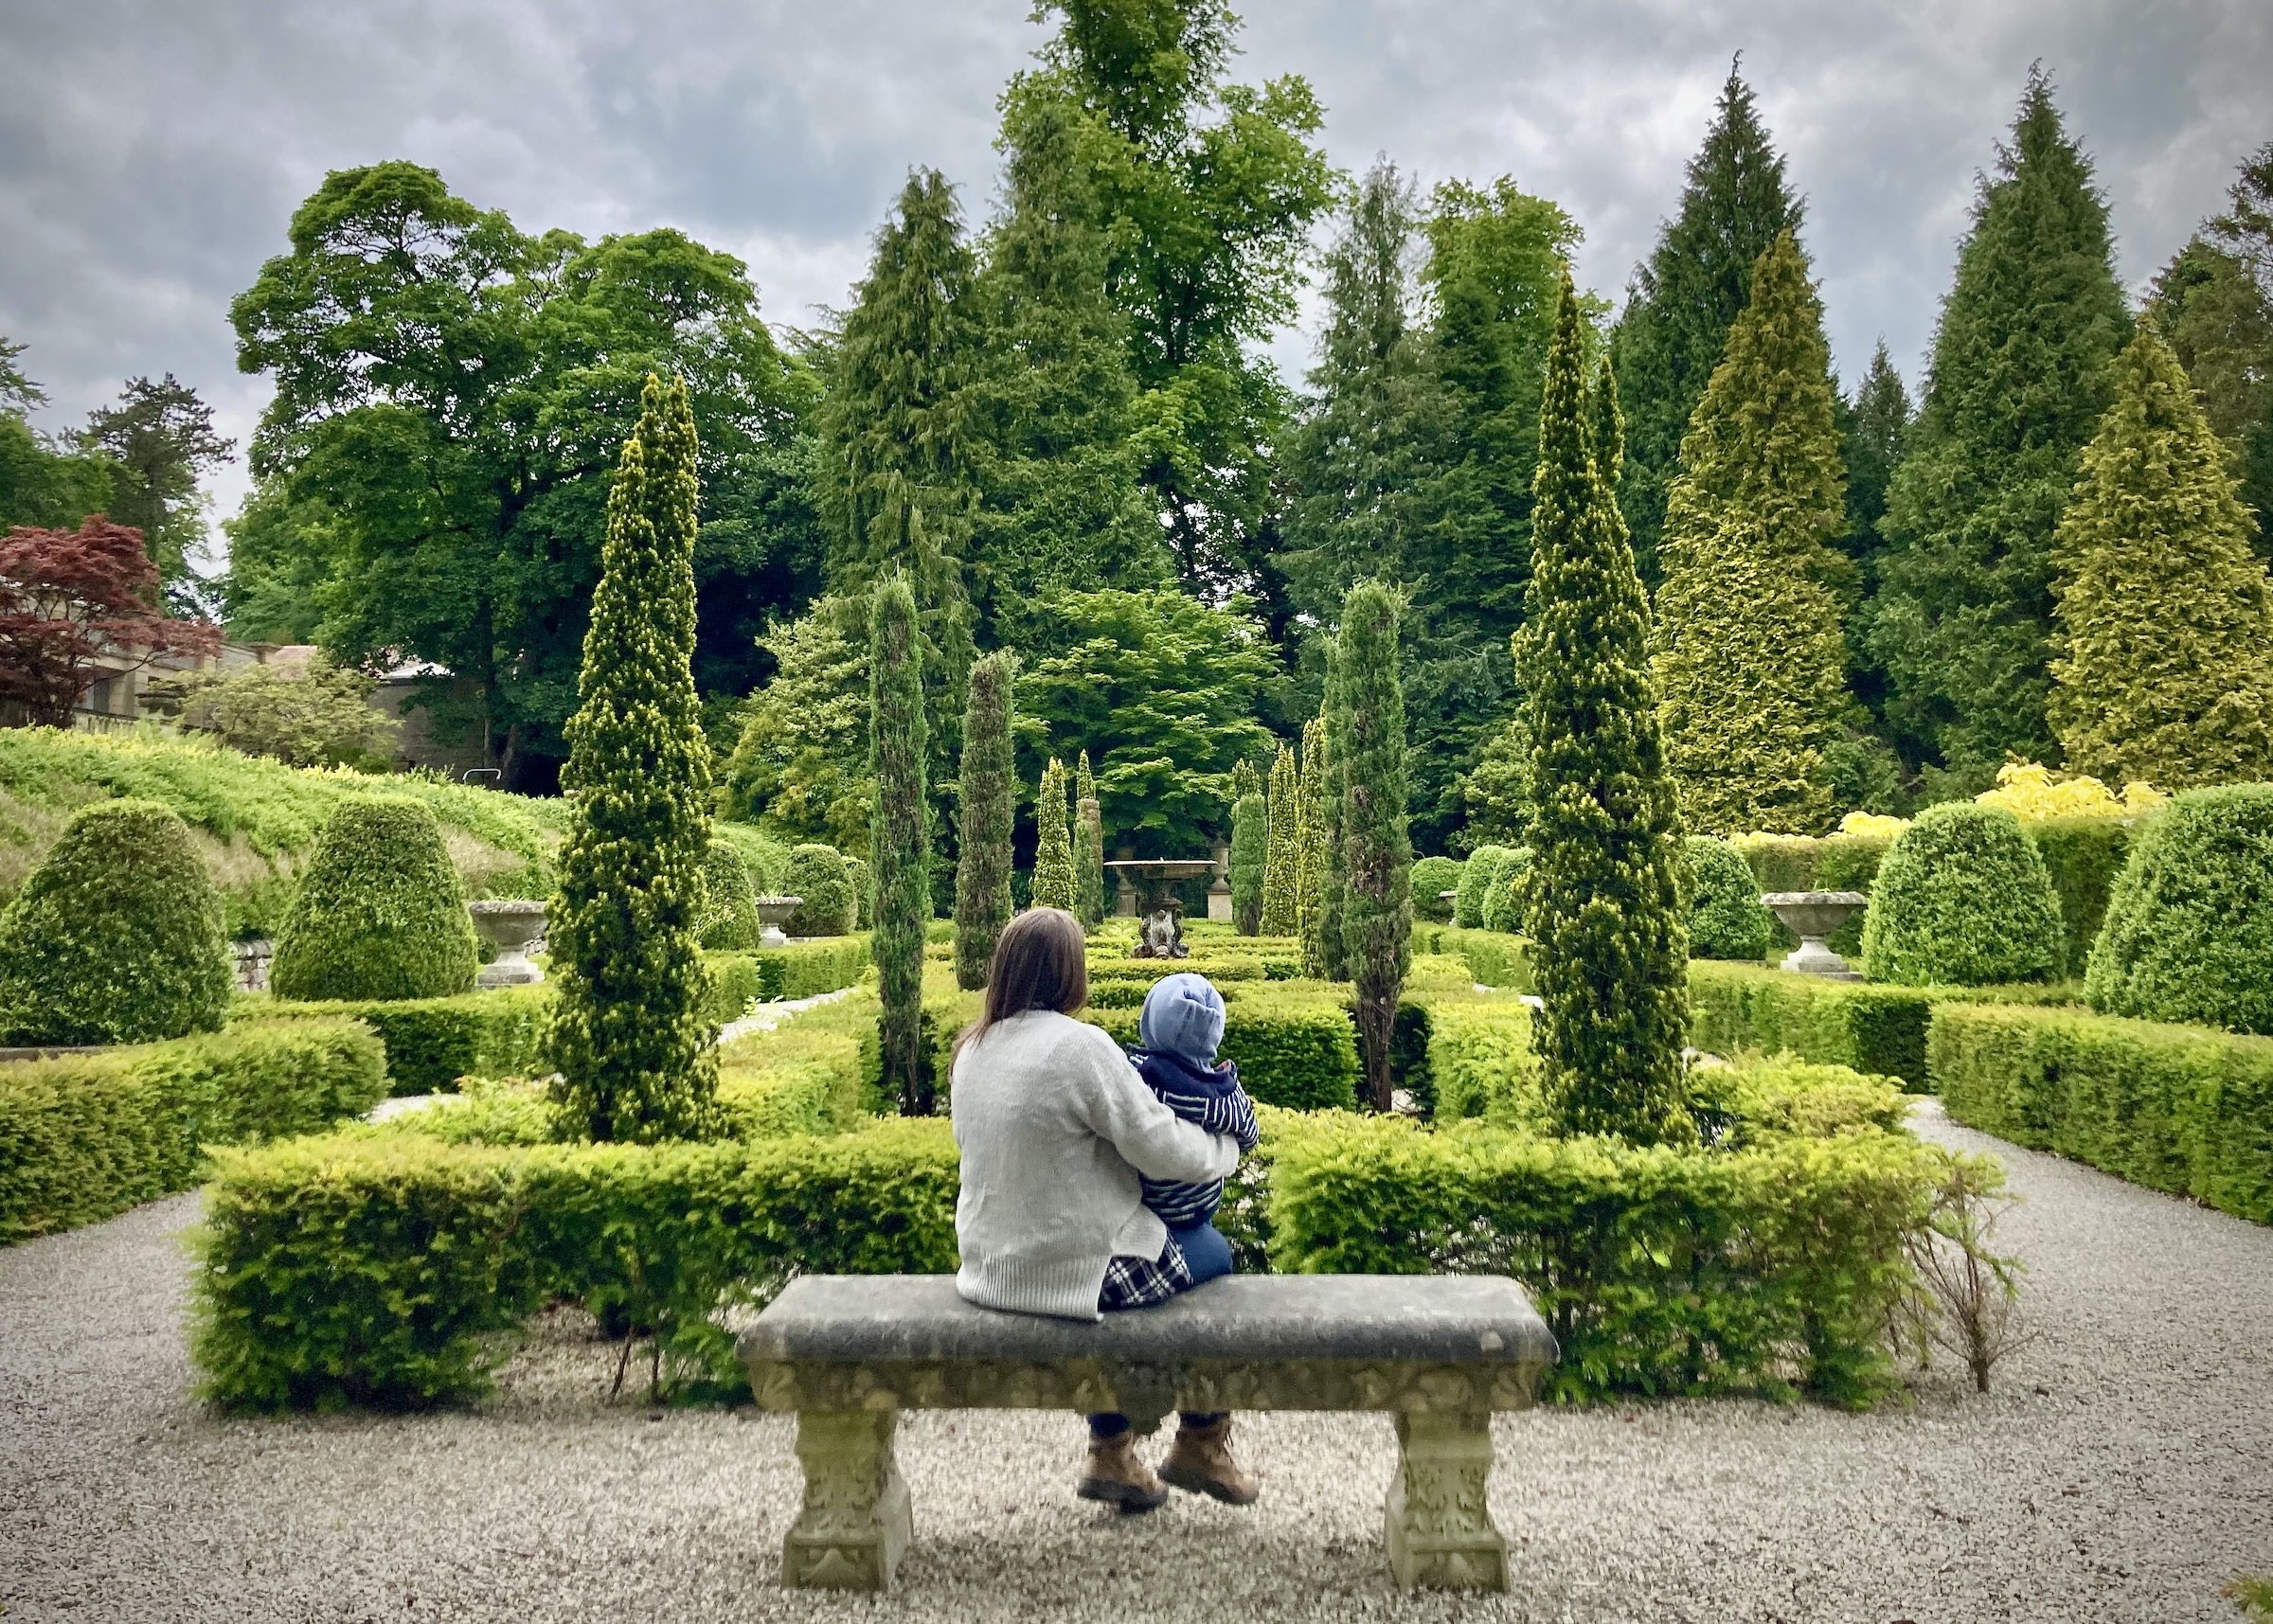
1207,1255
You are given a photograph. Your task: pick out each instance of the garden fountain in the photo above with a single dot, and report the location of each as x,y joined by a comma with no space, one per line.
1161,934
773,912
1813,917
512,928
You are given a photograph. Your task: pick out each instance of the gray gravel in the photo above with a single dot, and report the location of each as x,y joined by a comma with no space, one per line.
2123,1470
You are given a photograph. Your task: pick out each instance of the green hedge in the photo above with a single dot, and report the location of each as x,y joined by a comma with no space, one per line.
431,1042
1495,958
2083,855
2183,1108
1431,877
801,970
1813,862
384,1269
1726,917
1659,1270
1964,898
1481,1063
380,913
1294,1048
2190,927
84,1137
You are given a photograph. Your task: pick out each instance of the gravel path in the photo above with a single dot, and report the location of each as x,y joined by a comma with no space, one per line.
2123,1470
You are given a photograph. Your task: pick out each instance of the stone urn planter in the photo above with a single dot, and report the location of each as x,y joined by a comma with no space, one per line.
511,928
1813,917
773,912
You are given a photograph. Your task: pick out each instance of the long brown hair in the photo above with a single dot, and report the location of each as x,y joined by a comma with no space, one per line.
1040,963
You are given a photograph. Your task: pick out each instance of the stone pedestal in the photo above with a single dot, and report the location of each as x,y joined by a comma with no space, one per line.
854,1525
1436,1523
512,928
1219,890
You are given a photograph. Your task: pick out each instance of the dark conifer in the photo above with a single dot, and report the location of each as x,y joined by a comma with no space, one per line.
987,802
899,840
1377,918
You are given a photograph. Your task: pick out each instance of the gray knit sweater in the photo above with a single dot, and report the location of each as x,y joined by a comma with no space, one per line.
1055,1127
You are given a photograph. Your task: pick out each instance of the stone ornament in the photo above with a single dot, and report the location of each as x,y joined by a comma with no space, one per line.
1813,917
513,929
1442,1353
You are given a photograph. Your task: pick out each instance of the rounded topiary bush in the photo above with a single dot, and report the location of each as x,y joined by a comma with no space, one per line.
2189,934
817,873
1726,917
863,881
1432,875
116,938
1962,899
729,917
1503,902
381,912
1477,875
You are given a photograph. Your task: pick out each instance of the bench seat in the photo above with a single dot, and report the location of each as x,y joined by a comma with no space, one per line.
849,1352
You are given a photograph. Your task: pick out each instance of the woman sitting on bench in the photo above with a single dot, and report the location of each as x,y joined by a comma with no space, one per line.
1058,1132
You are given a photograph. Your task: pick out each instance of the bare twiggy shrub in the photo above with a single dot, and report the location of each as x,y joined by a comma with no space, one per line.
1968,1301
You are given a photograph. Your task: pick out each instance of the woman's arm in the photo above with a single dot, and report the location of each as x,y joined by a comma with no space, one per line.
1116,1106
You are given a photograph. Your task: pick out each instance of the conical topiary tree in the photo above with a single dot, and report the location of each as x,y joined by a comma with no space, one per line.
630,1033
1282,858
1250,846
379,913
1752,665
1602,896
1377,922
899,840
1726,917
731,920
117,937
1088,846
1309,867
1334,898
986,804
1055,885
2164,619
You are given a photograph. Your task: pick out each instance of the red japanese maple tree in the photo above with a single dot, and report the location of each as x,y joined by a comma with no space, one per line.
77,602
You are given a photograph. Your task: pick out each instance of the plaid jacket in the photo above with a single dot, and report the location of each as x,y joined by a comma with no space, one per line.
1133,1283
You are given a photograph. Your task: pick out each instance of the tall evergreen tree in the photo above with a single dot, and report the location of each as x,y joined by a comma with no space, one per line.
2019,379
1751,666
900,840
1333,899
1282,858
1683,300
1377,919
2164,640
1309,867
1875,429
1088,846
987,803
899,486
1602,902
1250,847
1055,885
630,1033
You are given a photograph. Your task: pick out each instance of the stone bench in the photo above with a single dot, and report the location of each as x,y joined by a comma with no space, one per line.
849,1352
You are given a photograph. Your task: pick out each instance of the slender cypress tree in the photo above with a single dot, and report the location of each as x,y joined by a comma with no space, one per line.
1055,885
899,840
1602,897
1377,920
987,805
2164,666
1309,867
2019,380
630,1033
1683,301
1333,901
1250,847
1088,846
1282,858
1751,666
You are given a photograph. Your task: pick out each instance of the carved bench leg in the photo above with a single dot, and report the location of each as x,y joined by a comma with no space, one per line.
854,1522
1439,1529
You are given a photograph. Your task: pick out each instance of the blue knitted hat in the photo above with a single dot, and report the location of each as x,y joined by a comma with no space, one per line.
1183,1015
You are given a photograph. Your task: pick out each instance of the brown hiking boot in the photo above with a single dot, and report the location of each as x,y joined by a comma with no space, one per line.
1201,1463
1117,1477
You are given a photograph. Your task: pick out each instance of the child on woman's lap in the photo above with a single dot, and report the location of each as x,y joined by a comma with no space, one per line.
1181,1027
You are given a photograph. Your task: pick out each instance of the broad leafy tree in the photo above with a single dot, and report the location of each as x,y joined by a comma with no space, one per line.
800,768
76,604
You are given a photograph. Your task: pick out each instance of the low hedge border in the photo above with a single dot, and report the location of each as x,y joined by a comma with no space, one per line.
1296,1048
1875,1028
801,970
85,1137
2183,1108
1496,959
431,1042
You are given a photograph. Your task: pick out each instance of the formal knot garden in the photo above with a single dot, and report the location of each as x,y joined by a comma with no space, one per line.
1745,1126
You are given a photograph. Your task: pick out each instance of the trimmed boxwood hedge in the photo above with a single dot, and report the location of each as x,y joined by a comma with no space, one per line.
816,874
1962,899
380,913
2181,1109
85,1137
2189,928
729,915
1296,1046
1477,875
1496,959
801,970
431,1042
1432,875
1726,917
117,937
1481,1063
2084,856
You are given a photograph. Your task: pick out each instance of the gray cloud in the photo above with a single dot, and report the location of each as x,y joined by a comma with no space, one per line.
151,155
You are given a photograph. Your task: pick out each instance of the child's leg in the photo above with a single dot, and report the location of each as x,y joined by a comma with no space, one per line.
1205,1253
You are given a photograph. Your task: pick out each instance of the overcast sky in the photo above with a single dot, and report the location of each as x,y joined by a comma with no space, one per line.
150,152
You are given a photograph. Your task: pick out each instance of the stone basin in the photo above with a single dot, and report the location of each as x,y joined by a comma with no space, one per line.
509,927
773,912
1813,917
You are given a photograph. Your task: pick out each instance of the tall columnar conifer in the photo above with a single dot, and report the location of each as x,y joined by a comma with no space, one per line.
1377,922
1250,847
1088,846
1602,901
900,840
1333,899
1751,666
1283,857
1309,867
1688,295
2020,377
630,1033
987,808
1055,885
2164,664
